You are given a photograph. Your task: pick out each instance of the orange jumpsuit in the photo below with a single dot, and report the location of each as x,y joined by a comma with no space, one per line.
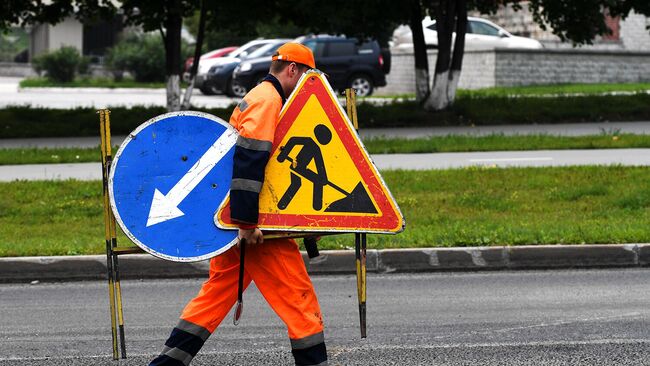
276,266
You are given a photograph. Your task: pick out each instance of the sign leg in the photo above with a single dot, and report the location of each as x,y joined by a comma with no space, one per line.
120,312
103,115
360,251
111,295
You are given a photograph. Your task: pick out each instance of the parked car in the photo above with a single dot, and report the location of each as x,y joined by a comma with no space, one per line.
239,53
481,34
346,61
219,77
212,54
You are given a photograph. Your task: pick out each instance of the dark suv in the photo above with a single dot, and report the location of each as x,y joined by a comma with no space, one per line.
347,63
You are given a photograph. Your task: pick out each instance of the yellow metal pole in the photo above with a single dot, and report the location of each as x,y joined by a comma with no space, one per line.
359,238
107,230
113,235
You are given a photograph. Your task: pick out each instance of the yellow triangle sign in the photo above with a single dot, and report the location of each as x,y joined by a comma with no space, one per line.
319,177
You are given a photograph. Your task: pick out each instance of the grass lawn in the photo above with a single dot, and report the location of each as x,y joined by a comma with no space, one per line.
556,89
86,82
530,90
50,155
464,207
499,142
382,145
538,90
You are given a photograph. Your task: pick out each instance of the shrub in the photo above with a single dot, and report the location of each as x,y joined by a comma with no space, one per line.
142,55
61,65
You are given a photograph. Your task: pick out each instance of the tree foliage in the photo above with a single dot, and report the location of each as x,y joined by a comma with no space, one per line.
580,21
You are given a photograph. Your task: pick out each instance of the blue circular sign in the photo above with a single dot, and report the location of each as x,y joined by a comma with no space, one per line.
167,180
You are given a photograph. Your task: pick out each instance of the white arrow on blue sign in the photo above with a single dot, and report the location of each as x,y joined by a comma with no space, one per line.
167,180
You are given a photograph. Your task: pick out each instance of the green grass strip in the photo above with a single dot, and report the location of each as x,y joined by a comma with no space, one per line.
529,90
500,142
49,155
450,208
86,82
452,143
556,89
538,91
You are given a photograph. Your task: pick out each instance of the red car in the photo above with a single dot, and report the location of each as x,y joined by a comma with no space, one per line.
212,54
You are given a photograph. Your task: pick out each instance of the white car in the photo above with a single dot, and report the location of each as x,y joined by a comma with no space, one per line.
481,34
238,54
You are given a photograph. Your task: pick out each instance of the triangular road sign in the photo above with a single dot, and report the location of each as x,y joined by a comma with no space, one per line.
320,177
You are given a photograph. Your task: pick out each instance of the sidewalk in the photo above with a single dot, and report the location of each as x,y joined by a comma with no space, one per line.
564,129
136,266
541,158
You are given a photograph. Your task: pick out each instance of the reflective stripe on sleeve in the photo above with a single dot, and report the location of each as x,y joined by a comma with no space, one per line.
254,144
242,184
243,105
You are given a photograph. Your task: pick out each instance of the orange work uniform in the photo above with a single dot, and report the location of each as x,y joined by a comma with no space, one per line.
276,266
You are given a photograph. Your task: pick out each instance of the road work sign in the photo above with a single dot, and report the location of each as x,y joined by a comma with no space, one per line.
319,177
166,181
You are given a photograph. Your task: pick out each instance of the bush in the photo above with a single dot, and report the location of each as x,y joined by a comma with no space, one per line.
142,55
62,64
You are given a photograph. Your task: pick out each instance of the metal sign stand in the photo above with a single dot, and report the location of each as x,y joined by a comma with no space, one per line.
112,250
359,238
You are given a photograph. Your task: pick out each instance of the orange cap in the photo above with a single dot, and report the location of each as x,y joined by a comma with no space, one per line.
295,52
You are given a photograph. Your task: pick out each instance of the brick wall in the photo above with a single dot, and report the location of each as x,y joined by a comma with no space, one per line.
529,67
478,72
507,67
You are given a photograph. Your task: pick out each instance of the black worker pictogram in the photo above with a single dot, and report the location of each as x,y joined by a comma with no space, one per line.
310,151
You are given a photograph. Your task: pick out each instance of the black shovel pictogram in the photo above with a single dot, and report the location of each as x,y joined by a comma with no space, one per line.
356,201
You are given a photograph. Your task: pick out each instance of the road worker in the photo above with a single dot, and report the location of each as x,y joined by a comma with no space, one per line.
276,265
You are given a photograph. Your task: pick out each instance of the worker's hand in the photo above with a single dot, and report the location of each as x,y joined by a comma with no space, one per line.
252,236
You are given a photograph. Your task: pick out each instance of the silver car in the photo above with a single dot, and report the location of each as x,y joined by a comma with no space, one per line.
481,34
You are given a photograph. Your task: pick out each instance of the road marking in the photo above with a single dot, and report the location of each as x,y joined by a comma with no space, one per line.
510,159
165,207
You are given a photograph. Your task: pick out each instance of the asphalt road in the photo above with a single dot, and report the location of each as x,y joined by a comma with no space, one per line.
629,157
588,317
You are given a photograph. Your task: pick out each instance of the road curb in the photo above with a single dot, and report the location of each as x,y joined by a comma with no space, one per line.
136,266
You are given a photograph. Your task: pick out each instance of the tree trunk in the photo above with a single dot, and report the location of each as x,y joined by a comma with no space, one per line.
422,90
445,20
173,25
459,50
197,56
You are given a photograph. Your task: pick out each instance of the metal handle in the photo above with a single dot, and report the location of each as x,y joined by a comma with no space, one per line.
240,290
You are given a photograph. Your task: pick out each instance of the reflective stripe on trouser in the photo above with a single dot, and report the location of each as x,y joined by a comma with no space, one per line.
279,273
182,345
310,350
